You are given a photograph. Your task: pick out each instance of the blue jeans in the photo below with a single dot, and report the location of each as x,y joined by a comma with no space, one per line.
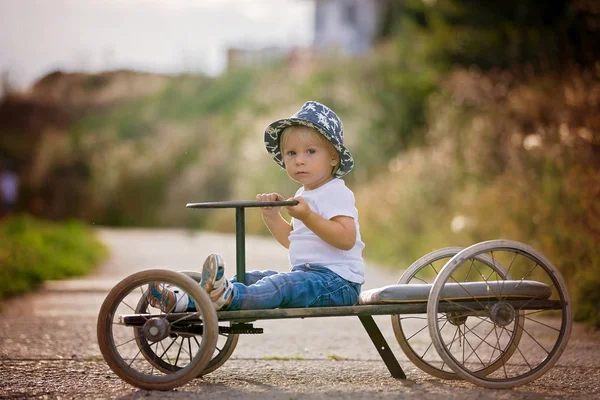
307,285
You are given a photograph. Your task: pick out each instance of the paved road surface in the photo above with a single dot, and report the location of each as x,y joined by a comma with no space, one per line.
48,346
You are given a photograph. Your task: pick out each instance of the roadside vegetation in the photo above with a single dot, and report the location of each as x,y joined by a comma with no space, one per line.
32,251
468,121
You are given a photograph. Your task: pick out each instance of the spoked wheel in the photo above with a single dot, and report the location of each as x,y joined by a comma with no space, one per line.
226,342
225,346
532,304
412,331
164,351
224,349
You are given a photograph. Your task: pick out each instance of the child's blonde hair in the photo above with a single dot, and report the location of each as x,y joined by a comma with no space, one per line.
306,134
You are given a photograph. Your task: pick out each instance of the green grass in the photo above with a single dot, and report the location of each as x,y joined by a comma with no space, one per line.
277,358
335,357
33,251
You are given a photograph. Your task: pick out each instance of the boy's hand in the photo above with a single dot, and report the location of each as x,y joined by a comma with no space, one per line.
269,211
300,211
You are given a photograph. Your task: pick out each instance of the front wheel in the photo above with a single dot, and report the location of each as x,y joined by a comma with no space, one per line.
165,350
226,342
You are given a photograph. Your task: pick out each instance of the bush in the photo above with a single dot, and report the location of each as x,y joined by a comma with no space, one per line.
508,158
32,251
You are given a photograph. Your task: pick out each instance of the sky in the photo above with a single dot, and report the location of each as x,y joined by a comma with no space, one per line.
165,36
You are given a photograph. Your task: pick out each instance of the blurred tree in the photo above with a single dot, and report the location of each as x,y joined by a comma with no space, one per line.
547,36
423,40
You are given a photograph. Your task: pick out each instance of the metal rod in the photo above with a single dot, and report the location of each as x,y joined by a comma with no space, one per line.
240,245
245,204
382,347
360,310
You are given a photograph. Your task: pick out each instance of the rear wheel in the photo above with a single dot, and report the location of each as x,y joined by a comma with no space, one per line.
412,330
541,319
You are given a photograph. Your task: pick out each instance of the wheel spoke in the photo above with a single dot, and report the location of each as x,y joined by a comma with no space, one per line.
165,352
511,262
536,341
470,268
433,268
130,340
463,288
178,351
133,309
543,324
476,355
490,287
196,340
483,341
417,332
494,350
134,357
501,358
524,359
480,322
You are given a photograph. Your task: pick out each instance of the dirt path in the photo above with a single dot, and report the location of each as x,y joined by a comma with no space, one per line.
48,346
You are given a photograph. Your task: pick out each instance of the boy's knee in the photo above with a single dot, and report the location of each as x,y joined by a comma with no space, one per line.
254,276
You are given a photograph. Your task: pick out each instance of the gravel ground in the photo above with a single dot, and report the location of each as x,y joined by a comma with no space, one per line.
260,379
48,346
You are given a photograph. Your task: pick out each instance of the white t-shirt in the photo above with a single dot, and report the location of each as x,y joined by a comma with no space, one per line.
330,200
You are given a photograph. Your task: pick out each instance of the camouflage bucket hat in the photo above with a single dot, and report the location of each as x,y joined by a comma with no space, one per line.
323,120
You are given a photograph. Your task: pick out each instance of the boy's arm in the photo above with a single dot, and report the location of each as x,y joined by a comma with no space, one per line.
339,232
279,228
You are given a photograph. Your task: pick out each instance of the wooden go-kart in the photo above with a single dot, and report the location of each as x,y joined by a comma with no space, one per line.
497,314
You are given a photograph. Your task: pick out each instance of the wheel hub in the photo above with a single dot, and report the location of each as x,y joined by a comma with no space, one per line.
156,329
457,318
502,313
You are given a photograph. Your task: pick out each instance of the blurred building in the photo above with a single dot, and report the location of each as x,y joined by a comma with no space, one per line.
348,26
342,27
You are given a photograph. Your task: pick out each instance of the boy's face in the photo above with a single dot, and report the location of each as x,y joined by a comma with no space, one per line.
309,161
